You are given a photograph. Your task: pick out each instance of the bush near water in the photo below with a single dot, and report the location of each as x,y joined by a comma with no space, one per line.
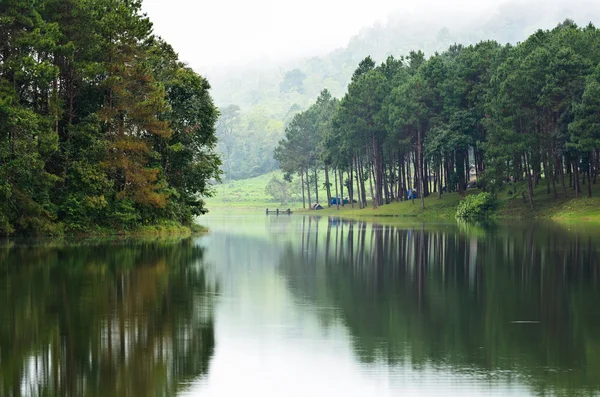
476,206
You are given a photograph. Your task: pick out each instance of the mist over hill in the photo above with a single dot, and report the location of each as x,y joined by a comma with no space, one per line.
256,100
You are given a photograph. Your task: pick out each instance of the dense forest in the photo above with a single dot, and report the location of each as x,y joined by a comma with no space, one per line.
262,98
101,126
500,114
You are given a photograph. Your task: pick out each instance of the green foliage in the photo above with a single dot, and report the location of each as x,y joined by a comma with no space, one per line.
265,109
485,114
101,125
279,189
476,206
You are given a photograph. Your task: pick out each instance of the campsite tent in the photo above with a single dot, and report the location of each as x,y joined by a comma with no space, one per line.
334,201
316,206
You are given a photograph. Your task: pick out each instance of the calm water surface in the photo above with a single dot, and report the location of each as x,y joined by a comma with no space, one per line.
305,306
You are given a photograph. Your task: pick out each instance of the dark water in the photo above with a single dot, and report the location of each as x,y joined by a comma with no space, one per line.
299,306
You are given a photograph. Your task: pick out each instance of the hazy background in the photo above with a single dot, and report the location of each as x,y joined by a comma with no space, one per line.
224,33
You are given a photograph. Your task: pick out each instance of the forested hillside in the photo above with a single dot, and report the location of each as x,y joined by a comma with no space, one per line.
101,126
501,114
264,97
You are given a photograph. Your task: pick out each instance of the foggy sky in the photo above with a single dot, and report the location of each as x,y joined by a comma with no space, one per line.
209,34
213,35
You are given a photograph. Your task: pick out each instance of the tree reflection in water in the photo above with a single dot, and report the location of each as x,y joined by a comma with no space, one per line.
104,319
500,302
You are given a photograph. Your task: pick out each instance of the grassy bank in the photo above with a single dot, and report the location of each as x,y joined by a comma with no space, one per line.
510,206
161,229
249,196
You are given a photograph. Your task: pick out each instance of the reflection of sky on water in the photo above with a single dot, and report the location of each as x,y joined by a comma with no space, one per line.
271,342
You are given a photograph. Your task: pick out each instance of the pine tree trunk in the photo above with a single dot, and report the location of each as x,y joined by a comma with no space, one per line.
570,171
597,169
341,174
547,175
529,181
362,183
316,186
402,192
460,172
308,189
408,179
420,165
337,197
589,178
303,196
371,180
439,180
373,198
328,186
562,175
576,168
386,191
357,176
351,186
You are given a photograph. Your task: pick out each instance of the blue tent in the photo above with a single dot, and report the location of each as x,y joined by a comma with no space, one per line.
410,194
334,201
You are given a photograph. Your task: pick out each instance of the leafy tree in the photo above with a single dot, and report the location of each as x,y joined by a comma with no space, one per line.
100,124
279,189
292,81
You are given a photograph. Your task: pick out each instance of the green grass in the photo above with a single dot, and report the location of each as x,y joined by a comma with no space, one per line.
160,229
249,195
548,207
435,208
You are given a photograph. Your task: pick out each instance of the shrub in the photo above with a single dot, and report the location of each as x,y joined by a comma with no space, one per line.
476,206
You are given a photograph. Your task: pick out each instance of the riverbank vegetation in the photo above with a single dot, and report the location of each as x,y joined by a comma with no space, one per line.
517,121
101,126
250,196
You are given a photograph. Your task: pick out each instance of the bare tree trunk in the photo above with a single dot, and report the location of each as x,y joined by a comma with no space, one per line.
372,179
351,186
328,186
392,181
399,179
562,176
589,178
341,174
554,175
386,191
408,176
316,186
570,171
547,175
357,176
576,168
362,183
420,164
302,183
439,179
308,189
597,169
373,198
371,176
529,180
337,197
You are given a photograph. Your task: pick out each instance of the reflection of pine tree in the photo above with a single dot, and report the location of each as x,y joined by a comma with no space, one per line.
115,319
446,296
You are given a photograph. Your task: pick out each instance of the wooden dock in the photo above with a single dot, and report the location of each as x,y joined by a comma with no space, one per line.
278,212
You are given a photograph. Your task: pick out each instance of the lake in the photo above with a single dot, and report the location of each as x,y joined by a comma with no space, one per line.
305,306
